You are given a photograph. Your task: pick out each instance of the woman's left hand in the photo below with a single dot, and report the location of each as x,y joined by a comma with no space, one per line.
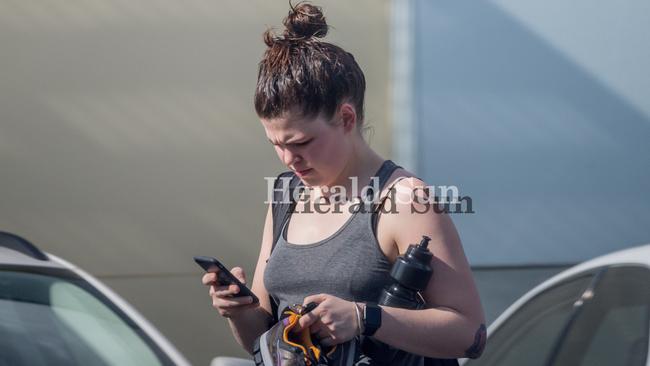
333,321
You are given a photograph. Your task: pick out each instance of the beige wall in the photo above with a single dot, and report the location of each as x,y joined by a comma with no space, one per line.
128,141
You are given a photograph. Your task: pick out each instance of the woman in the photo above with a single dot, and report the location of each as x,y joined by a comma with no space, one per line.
309,98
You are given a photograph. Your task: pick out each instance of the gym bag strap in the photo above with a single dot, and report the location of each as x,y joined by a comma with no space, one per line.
281,209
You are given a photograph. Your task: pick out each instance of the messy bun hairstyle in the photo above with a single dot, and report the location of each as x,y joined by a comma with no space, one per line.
300,72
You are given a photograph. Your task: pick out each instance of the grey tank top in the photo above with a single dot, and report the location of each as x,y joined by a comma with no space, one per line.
348,264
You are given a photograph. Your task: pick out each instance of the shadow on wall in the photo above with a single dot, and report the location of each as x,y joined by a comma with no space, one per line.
555,161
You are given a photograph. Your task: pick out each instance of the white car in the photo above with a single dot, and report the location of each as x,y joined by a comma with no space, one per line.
53,313
595,313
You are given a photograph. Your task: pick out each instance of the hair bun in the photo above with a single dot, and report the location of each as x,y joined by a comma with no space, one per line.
305,21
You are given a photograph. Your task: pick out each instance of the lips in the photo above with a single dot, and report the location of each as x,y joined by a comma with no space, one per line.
303,172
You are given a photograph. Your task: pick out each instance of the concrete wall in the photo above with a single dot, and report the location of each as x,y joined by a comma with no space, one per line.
540,112
128,140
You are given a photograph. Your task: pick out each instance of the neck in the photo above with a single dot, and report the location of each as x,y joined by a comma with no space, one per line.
362,165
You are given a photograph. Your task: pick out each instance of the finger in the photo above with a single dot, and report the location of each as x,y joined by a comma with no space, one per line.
307,320
209,278
317,327
239,273
314,298
226,303
231,302
226,290
216,288
322,334
229,312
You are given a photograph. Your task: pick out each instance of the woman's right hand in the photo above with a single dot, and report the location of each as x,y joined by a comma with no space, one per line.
223,296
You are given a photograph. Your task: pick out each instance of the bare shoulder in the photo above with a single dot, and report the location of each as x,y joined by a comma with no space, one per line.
396,189
402,190
400,179
409,212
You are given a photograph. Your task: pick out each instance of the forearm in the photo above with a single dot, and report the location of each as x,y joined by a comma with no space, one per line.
248,325
436,332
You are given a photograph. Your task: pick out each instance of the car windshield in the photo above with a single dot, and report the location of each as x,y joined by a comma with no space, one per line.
55,320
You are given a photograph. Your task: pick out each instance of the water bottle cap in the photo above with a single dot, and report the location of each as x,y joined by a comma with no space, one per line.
424,243
420,252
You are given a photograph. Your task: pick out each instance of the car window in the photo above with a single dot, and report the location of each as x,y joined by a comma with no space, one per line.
612,327
528,335
46,320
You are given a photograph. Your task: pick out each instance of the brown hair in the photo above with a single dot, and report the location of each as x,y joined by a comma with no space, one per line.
300,72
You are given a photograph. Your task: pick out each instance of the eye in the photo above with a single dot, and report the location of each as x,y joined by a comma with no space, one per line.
304,143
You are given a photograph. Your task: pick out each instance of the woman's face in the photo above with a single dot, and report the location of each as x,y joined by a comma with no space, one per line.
315,149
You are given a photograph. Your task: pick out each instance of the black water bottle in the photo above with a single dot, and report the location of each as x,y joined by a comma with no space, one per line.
411,273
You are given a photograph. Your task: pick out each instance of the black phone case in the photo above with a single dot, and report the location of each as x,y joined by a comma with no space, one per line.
211,264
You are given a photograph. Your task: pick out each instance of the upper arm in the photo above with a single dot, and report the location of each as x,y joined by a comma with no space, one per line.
265,251
452,285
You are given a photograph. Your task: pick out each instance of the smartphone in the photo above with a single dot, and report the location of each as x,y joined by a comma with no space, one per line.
224,277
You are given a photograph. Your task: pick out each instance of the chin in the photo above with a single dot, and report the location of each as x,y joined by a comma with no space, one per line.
309,181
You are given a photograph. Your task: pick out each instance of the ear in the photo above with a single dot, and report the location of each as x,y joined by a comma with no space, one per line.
348,115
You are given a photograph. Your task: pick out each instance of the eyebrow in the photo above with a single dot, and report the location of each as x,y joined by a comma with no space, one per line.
288,142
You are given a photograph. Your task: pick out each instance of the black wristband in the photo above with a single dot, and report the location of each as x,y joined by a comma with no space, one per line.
371,319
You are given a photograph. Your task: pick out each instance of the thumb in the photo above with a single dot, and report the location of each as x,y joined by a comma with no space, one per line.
238,272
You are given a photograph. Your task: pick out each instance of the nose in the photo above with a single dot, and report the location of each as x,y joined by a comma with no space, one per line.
290,157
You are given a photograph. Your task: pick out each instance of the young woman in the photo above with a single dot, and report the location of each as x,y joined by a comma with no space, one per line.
309,98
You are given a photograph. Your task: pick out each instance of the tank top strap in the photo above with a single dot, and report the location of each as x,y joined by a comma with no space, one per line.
387,169
384,172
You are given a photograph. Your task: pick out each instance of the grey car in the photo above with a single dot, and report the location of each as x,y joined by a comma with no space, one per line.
595,313
53,313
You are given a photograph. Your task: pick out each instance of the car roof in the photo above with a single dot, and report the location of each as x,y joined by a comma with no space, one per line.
636,256
17,251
